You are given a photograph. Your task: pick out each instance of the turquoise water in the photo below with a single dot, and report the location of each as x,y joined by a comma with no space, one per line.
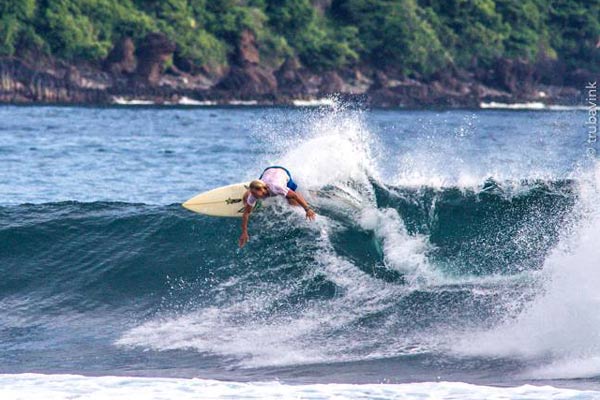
450,246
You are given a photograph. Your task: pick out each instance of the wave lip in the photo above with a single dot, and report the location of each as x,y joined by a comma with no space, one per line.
557,332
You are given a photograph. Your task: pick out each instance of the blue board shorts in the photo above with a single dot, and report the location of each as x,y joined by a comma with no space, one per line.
290,184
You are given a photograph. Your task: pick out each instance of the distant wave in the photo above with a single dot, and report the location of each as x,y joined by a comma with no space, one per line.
131,102
183,101
314,102
530,106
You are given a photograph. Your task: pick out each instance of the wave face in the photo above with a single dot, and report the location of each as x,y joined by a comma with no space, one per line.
121,251
421,263
407,272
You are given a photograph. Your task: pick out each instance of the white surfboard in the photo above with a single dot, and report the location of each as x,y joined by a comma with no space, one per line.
225,201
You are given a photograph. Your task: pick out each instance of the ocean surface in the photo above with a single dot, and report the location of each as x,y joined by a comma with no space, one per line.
455,255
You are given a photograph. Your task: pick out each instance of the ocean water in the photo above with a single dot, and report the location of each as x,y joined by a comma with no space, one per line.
455,255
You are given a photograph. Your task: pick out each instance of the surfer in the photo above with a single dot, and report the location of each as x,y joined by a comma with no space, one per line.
274,181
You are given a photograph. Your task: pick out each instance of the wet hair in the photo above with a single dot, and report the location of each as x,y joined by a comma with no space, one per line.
257,184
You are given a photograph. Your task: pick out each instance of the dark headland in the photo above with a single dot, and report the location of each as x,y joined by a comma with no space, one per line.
387,53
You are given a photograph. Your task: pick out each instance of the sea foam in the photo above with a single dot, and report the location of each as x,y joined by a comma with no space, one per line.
74,387
558,331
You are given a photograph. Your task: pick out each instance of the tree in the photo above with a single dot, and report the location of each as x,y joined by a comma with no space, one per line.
15,22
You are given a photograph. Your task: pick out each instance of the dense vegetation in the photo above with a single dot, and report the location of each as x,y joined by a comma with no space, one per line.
413,36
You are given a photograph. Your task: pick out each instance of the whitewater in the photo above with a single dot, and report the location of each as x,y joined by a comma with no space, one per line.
454,257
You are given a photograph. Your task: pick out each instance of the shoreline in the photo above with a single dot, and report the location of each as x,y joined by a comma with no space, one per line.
58,82
301,104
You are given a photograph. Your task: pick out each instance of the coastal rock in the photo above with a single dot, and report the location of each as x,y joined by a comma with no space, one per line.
380,81
515,76
247,78
580,77
247,52
291,79
121,59
443,91
331,83
356,82
23,82
56,81
152,53
73,77
248,82
550,72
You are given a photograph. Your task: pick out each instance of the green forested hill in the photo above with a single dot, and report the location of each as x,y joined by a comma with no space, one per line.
412,36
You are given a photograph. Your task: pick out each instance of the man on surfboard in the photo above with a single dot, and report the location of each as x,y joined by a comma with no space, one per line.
274,181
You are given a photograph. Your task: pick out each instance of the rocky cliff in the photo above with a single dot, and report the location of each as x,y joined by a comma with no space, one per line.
144,70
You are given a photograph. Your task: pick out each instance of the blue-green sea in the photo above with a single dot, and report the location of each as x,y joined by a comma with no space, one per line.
455,252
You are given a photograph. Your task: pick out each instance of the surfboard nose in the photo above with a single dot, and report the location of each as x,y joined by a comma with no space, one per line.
225,201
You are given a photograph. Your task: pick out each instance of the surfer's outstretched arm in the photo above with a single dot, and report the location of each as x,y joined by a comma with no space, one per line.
295,198
245,217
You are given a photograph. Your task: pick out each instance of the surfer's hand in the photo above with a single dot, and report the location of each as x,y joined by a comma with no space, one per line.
243,239
310,214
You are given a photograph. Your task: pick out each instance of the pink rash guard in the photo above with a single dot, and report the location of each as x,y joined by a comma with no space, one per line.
276,180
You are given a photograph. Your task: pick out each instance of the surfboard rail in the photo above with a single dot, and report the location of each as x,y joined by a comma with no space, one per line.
224,201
